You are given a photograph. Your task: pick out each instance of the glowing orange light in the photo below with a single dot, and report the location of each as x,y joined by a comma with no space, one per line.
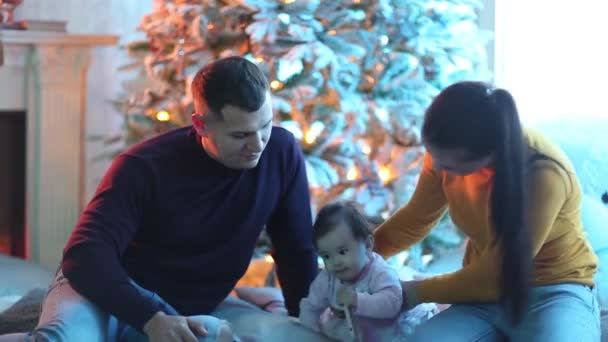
352,174
163,115
276,85
310,137
385,174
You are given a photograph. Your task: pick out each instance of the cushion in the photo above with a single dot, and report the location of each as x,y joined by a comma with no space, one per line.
595,221
19,276
584,141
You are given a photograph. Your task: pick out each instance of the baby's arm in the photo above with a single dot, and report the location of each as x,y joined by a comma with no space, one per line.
385,299
316,302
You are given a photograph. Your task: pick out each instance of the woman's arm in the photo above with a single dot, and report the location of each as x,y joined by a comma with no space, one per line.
479,280
413,222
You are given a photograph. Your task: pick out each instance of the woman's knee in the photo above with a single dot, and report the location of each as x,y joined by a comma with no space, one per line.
459,323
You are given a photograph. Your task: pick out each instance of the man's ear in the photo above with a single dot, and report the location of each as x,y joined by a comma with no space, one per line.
198,122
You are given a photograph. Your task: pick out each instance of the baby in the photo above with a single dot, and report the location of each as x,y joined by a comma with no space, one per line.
357,297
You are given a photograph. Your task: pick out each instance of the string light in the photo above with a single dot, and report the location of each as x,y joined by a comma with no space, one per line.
259,59
163,116
310,137
385,174
289,1
352,174
276,85
268,258
366,149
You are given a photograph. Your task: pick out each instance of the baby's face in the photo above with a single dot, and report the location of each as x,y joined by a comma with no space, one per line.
343,255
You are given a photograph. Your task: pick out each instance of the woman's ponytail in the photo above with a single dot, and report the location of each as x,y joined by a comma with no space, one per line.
509,205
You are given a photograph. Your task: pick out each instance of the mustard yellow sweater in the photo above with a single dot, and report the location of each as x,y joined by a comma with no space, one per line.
561,251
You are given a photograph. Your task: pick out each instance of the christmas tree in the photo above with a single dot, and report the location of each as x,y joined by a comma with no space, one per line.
350,79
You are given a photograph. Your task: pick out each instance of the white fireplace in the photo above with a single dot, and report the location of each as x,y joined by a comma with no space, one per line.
44,75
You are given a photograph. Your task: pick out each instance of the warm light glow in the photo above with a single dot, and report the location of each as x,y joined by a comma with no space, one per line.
356,1
163,115
310,137
366,149
385,174
268,258
331,32
352,174
276,84
210,26
259,59
289,1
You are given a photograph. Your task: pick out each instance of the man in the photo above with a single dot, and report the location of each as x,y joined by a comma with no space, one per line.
173,224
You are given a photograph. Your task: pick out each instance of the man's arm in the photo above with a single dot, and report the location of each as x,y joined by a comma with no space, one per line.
91,260
290,230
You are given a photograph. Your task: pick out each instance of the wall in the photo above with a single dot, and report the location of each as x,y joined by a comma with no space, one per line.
550,56
117,17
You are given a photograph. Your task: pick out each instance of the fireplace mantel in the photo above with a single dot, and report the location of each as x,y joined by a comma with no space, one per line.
44,74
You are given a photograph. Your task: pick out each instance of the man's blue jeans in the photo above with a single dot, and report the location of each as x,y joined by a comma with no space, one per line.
67,316
557,313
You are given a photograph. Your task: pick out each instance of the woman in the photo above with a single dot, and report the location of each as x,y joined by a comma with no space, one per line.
528,269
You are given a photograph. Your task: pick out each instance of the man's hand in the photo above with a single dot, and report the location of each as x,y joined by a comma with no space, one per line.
347,296
410,298
162,327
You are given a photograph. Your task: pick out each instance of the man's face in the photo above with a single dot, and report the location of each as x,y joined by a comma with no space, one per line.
238,139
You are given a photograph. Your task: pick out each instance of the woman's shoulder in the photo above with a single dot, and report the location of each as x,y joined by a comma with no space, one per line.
548,160
546,152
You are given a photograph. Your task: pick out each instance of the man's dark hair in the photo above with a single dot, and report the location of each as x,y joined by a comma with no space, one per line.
231,81
331,215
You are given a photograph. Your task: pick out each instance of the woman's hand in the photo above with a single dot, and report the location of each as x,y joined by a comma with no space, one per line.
410,298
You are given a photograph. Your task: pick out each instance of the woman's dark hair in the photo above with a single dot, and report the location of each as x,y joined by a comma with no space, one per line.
331,215
229,81
483,120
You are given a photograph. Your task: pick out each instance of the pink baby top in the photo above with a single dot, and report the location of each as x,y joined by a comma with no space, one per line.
375,317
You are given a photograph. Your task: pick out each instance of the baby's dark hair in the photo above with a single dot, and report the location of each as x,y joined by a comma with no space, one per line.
331,215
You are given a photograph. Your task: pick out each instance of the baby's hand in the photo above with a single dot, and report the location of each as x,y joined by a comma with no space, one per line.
347,296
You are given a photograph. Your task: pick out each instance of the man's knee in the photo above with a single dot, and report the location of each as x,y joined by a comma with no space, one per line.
218,330
73,320
68,316
69,330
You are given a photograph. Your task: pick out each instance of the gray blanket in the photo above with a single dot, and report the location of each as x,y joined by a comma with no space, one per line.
23,315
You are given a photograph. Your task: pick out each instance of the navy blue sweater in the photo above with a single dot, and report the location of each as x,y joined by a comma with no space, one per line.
182,225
